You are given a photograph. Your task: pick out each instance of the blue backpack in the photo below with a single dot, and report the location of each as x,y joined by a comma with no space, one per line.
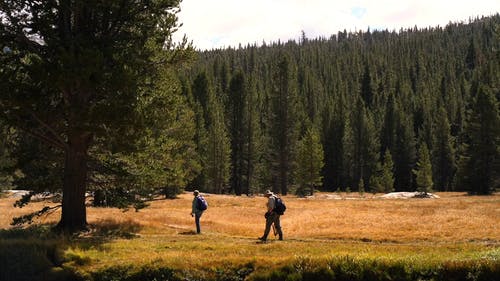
279,206
201,203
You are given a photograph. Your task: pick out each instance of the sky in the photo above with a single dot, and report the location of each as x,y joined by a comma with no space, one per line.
211,24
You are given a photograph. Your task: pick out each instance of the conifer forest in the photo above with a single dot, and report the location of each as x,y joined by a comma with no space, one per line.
375,111
415,109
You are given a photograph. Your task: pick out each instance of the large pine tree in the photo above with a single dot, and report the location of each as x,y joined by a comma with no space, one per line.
309,162
443,153
481,163
423,170
404,154
252,142
218,163
284,122
75,70
213,142
362,147
237,99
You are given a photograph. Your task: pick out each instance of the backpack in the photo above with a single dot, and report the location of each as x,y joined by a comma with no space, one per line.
279,206
201,203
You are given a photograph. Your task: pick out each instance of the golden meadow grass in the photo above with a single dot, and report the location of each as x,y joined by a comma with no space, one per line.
454,227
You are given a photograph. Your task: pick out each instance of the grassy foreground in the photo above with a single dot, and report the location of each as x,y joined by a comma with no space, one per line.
456,237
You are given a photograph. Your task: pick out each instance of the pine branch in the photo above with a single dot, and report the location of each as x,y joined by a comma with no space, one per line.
28,218
44,138
57,137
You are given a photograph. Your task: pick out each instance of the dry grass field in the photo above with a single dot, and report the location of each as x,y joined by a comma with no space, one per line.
455,227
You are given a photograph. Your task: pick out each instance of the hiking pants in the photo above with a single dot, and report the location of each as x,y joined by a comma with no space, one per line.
273,218
197,217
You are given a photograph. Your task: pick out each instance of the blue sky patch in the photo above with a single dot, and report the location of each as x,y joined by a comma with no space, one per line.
358,12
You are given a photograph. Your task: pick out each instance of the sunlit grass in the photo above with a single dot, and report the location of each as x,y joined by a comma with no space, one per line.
455,227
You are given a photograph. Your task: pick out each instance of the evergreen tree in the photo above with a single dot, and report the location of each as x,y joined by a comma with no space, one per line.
284,123
237,99
404,154
375,184
200,90
213,142
349,151
382,179
76,69
201,141
388,132
166,156
361,187
334,132
443,153
481,163
366,86
370,148
198,93
362,150
252,145
311,94
309,162
423,171
217,169
471,59
387,178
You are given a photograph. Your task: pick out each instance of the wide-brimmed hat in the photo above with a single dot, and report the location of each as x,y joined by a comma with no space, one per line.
196,192
269,192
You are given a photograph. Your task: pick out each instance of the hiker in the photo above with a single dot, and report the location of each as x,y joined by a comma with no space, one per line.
199,205
272,217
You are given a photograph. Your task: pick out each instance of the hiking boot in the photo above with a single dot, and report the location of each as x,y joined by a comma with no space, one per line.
280,238
263,239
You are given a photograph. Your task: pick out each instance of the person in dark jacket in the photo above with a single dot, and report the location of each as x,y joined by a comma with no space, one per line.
196,212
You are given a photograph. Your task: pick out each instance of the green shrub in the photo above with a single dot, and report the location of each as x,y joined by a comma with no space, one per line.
234,273
147,272
352,269
319,274
157,272
470,270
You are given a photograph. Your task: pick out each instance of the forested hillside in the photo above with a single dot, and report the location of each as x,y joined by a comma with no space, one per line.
414,109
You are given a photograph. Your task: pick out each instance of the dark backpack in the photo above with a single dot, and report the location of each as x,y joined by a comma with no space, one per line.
201,203
279,206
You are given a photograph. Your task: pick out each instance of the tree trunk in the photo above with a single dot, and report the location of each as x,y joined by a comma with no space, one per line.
74,215
284,167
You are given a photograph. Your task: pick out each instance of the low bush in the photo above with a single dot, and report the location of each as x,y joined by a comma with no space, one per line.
157,272
353,269
130,273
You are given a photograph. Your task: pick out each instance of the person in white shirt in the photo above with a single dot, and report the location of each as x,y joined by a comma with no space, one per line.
272,217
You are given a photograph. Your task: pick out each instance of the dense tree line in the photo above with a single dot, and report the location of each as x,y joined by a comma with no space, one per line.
94,97
414,109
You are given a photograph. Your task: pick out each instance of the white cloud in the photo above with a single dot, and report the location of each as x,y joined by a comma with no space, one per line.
223,23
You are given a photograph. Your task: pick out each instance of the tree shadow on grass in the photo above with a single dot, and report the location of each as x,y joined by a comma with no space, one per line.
100,232
95,236
33,253
107,230
37,252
